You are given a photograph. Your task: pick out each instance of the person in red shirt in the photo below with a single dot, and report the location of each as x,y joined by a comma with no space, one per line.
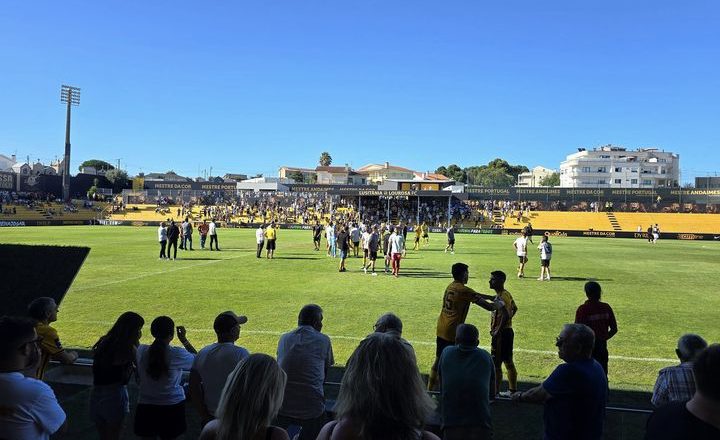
600,318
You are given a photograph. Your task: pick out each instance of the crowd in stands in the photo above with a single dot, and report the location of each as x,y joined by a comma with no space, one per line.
239,395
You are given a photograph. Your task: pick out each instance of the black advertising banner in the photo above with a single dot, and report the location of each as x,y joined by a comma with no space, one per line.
191,186
7,181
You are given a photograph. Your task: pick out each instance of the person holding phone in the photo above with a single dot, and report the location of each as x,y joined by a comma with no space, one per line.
161,403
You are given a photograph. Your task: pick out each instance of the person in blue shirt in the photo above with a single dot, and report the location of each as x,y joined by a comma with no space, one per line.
467,383
575,393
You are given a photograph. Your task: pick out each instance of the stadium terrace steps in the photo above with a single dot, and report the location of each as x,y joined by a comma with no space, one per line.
613,221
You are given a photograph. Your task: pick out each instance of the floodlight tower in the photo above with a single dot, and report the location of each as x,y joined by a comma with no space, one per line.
71,96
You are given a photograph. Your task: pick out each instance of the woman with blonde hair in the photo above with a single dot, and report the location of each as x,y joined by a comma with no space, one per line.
381,395
250,401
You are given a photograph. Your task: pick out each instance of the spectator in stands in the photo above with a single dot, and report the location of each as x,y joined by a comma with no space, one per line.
203,231
600,318
212,231
173,233
162,238
699,418
381,395
467,380
576,392
214,363
677,383
305,354
44,310
455,307
161,403
114,358
28,407
390,324
502,333
250,401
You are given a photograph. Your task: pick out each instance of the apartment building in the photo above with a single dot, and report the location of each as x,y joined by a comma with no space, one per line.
617,167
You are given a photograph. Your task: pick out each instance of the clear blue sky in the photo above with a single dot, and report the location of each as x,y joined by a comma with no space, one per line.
247,86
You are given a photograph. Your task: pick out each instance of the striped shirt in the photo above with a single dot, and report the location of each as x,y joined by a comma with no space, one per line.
674,384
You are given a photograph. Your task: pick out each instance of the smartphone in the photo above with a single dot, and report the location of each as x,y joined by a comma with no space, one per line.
294,431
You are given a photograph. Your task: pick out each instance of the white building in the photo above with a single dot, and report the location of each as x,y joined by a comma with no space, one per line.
616,167
7,163
532,178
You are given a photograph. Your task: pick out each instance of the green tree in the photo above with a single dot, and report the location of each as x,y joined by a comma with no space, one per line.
492,177
325,159
297,176
551,180
118,178
456,173
97,164
441,170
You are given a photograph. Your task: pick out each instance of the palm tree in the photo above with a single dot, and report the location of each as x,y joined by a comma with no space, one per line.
325,159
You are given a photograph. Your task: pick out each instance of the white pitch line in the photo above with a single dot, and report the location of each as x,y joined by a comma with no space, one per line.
423,343
149,274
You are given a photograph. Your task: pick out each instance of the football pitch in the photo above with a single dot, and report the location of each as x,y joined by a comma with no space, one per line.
658,292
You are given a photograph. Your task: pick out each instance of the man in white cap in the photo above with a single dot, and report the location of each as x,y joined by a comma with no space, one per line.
214,363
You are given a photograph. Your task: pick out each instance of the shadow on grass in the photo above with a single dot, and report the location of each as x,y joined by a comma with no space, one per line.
579,279
297,258
199,258
419,273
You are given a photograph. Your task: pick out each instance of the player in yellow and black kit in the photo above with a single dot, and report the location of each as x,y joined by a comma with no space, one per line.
503,336
418,234
456,303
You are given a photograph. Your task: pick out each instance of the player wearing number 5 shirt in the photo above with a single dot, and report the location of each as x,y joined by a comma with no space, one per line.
456,303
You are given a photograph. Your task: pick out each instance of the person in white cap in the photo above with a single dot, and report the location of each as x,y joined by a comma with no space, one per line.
214,363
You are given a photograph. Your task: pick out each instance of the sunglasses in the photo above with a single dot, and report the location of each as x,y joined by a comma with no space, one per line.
559,341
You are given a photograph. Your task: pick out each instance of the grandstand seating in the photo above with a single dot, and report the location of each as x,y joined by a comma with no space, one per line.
625,221
43,212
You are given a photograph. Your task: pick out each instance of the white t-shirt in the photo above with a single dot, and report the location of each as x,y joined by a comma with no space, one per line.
259,235
212,228
28,408
396,243
521,245
167,389
330,232
544,248
162,234
214,363
365,239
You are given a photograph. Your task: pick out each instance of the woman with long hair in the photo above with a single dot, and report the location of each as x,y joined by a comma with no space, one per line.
161,405
381,395
250,401
113,364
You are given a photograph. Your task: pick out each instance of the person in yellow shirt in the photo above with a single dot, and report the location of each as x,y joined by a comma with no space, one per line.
418,234
271,236
425,236
501,346
44,310
456,304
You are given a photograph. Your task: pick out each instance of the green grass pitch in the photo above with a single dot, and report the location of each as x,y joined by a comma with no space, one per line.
657,291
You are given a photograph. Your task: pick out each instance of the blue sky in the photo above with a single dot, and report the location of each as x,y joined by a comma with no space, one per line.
245,86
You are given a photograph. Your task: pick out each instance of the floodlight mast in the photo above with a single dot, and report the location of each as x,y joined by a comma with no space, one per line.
71,96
